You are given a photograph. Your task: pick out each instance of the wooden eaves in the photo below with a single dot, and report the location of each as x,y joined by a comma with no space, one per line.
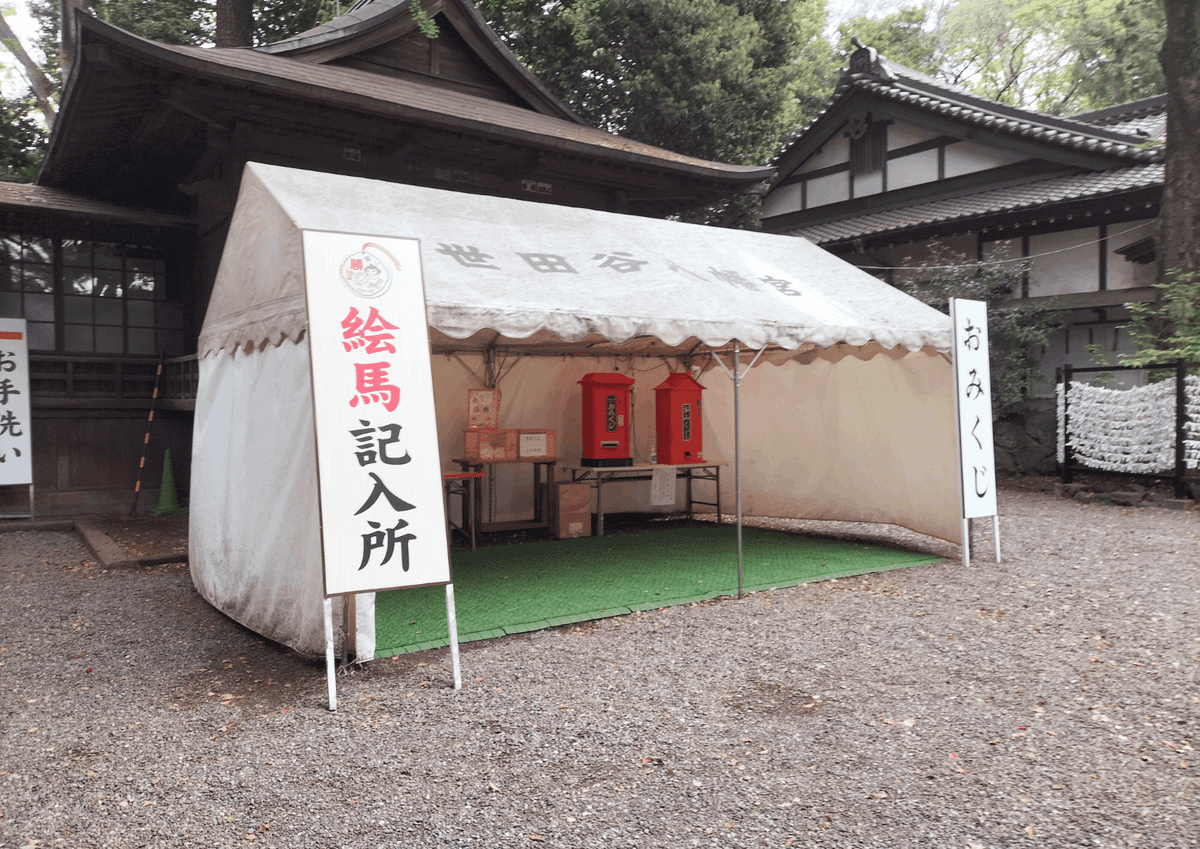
140,119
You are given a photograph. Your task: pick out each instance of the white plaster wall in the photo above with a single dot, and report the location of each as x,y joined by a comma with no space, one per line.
969,157
912,170
783,200
1086,347
1123,274
868,184
1064,262
831,188
836,151
902,135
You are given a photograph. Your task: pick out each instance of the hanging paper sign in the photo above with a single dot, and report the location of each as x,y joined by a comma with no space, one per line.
16,450
662,486
973,403
383,521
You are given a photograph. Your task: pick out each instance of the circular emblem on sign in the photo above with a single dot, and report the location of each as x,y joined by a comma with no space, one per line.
366,273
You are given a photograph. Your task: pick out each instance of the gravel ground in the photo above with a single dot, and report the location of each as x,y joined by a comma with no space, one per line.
1047,701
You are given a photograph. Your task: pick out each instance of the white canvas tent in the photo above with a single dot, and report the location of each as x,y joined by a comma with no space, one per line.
852,420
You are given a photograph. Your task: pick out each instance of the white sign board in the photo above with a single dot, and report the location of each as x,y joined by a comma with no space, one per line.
973,403
382,515
16,451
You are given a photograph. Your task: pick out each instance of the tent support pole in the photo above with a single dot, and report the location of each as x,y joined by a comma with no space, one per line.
736,377
330,662
737,456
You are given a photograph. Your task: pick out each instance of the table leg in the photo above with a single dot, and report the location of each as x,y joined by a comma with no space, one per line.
539,494
469,508
476,498
599,506
688,474
548,508
718,469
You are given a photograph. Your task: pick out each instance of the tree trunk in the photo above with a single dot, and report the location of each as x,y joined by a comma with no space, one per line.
235,23
37,80
1179,217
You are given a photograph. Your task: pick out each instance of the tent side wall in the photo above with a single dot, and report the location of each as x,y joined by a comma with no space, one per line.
853,434
254,538
848,434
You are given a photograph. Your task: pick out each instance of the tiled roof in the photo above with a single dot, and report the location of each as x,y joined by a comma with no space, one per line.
24,196
886,79
1146,118
1030,195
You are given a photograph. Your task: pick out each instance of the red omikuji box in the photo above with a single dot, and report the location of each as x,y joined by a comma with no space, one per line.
606,420
677,422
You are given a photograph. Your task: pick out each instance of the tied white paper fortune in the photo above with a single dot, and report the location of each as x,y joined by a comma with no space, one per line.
1130,430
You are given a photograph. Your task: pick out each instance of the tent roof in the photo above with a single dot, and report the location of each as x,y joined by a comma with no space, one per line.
542,278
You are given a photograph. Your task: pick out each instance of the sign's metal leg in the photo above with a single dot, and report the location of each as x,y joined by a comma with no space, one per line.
452,619
330,662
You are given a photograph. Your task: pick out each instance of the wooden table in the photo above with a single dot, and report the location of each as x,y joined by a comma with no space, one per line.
543,494
597,476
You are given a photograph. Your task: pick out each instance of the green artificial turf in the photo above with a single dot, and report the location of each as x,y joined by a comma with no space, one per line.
510,589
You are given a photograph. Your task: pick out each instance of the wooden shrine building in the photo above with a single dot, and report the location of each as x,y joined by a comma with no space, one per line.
899,162
111,255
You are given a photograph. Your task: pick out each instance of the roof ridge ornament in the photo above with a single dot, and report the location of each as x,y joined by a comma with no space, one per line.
867,61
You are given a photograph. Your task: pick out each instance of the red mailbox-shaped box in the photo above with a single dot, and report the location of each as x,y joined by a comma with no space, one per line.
677,420
606,420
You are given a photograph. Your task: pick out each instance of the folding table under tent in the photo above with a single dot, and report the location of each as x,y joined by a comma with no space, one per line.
854,421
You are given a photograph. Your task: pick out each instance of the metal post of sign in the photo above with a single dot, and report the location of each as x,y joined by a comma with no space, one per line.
736,377
996,534
330,662
452,619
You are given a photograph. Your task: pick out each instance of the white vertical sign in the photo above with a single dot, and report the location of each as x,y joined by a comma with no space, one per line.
382,514
16,450
973,403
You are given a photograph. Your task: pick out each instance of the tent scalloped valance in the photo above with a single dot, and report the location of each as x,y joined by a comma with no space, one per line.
520,268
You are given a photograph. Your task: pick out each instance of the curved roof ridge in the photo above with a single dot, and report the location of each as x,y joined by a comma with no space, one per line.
364,20
870,72
1122,112
350,23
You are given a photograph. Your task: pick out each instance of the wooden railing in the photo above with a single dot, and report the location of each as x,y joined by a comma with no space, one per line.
111,382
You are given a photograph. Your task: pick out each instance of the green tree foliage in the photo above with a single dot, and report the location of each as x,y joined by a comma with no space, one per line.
168,21
188,21
1118,54
1017,331
22,141
907,36
718,79
1170,329
275,20
1039,54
